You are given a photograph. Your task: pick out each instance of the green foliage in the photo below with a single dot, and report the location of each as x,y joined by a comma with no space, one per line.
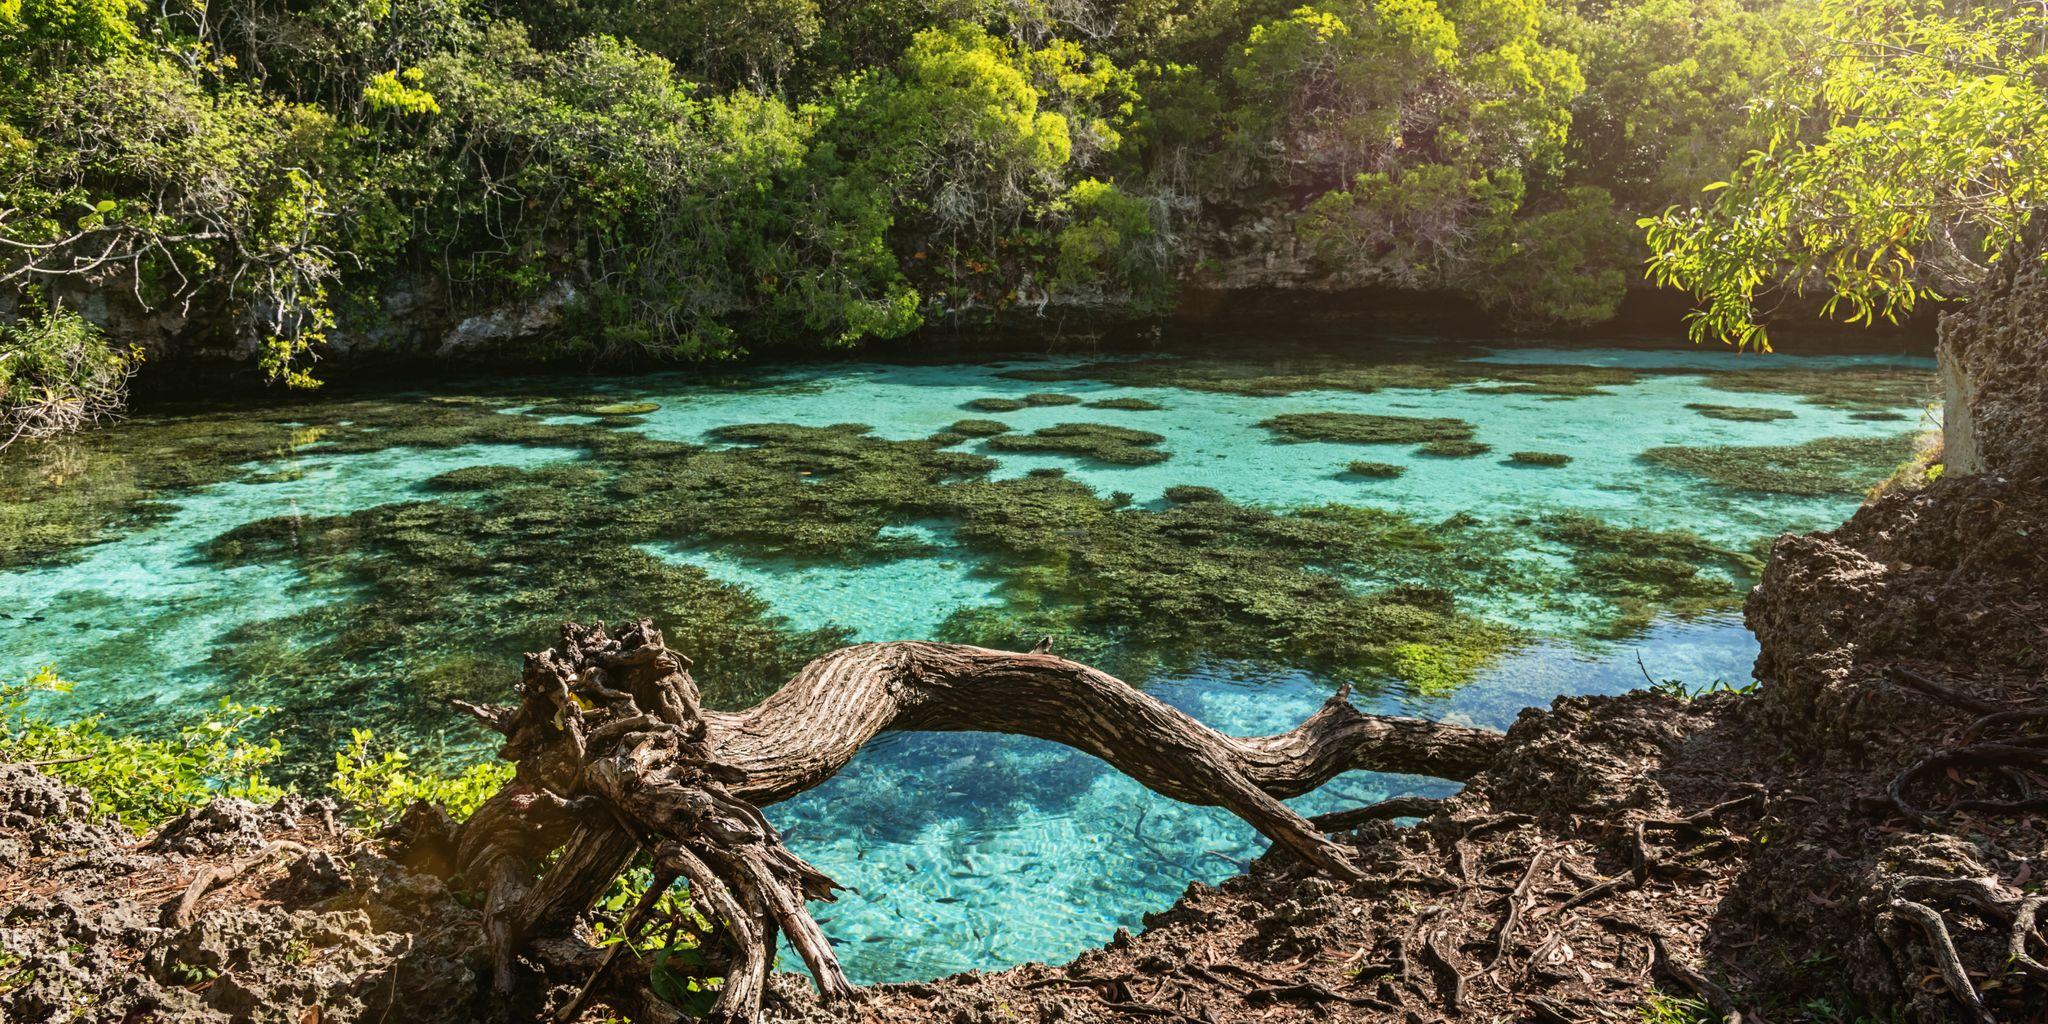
1375,470
1669,87
701,179
58,372
1540,458
377,782
142,781
1661,1008
1900,154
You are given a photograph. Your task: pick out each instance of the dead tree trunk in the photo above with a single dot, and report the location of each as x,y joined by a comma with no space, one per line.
615,755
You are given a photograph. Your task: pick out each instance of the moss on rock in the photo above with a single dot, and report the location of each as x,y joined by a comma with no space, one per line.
1376,470
1539,458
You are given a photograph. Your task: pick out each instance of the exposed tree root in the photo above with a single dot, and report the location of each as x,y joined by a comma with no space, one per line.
616,756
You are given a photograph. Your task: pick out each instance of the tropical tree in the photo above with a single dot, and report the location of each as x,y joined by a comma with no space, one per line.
1901,158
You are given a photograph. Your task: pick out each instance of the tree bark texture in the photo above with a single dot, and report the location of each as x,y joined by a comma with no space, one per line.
616,756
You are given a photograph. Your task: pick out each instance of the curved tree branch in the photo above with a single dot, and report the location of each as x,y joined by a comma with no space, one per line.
808,730
615,755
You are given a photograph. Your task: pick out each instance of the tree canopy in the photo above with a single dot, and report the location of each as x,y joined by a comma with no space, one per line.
1898,157
699,179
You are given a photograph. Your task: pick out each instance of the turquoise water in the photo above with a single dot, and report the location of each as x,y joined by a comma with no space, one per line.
962,851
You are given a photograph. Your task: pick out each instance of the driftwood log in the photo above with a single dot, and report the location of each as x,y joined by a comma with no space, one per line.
616,756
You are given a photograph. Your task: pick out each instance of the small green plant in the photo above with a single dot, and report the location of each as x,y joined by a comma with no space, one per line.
1662,1008
12,974
1678,689
190,975
379,782
141,780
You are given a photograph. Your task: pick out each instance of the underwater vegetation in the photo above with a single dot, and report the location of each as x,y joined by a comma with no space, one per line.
626,409
409,603
1539,458
447,591
978,428
1646,572
57,496
1828,465
1451,448
1291,374
1101,442
1740,413
1036,398
1860,387
1130,404
1366,428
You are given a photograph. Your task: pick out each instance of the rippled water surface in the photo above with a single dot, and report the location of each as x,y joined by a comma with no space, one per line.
348,560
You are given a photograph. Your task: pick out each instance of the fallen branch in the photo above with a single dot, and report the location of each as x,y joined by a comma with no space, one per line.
185,910
616,757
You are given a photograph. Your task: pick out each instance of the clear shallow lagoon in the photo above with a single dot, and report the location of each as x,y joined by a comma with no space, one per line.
963,851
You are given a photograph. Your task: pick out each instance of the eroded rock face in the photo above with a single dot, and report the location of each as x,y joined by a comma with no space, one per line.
1994,354
1949,585
84,933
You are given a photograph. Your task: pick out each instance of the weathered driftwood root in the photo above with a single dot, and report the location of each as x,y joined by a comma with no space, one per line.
616,756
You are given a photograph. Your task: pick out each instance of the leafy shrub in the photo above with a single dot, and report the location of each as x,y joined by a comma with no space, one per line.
378,782
142,781
58,372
